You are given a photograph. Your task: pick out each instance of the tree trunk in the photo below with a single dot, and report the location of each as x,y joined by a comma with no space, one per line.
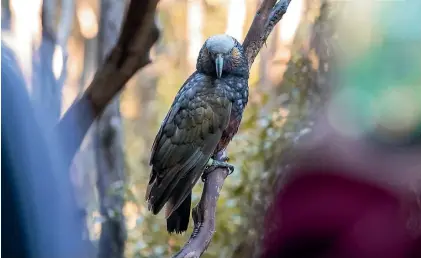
5,14
109,152
47,86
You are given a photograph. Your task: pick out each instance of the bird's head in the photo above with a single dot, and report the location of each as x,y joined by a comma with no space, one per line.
222,55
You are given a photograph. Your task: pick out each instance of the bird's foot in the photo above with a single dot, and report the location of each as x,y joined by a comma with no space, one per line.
213,164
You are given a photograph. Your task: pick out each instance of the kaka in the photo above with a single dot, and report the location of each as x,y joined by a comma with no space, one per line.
202,120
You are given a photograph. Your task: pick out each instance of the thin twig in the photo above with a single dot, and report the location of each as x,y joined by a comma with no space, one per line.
268,15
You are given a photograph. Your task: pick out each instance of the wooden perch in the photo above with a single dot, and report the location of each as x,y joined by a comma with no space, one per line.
204,213
269,14
138,34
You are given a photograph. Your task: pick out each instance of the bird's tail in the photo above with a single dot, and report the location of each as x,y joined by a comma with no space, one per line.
178,221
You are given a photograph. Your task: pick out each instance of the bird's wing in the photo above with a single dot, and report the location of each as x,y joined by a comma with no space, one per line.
186,141
171,113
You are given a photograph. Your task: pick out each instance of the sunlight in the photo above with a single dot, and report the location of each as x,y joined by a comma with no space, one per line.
26,16
87,20
194,29
58,61
236,18
25,26
280,116
131,213
289,23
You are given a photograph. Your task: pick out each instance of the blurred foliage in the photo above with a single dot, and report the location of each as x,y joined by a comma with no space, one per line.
381,77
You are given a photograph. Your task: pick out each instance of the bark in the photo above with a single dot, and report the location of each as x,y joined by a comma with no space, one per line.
109,150
204,214
268,15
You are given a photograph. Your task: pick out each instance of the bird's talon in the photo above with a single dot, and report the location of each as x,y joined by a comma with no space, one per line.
216,163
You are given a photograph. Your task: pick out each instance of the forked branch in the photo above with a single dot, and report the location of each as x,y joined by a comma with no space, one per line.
138,34
269,14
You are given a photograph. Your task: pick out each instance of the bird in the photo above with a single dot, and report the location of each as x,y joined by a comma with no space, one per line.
202,120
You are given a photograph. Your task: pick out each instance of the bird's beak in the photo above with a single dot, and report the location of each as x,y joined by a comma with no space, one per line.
219,63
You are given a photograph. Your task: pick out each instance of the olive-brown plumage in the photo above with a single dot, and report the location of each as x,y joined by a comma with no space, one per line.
202,120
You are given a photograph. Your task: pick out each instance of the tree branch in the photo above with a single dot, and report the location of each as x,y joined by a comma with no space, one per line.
204,213
268,15
138,34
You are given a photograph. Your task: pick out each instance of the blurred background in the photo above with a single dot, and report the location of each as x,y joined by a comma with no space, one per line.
58,45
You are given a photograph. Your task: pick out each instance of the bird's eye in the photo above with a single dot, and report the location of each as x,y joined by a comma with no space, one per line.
235,53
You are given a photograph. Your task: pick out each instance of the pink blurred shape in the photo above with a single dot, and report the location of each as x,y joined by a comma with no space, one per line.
323,214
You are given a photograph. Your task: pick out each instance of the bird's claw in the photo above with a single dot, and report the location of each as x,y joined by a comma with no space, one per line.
213,164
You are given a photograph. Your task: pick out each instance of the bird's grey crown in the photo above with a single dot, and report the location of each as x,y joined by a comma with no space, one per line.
221,43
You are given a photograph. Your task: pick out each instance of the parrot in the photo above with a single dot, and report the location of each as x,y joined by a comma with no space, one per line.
202,120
